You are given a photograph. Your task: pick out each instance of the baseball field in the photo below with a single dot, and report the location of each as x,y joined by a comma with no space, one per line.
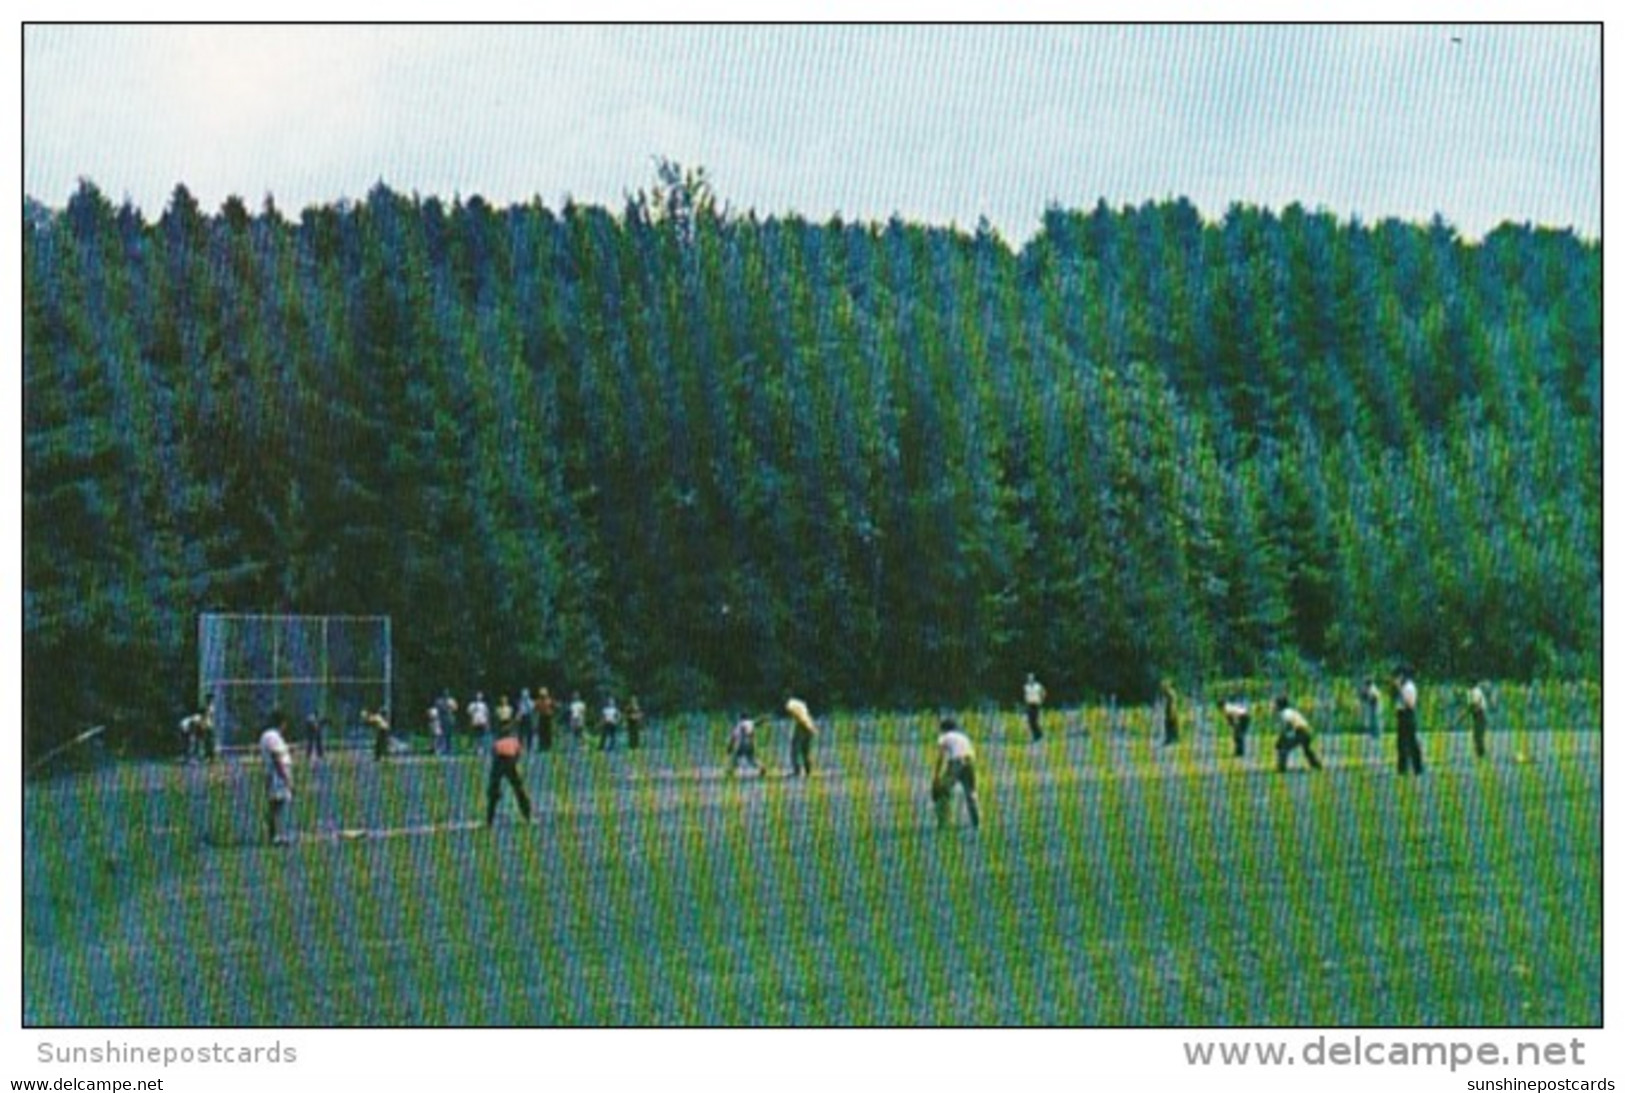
1113,882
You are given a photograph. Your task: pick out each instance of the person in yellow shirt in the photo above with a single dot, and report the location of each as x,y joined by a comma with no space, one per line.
1295,733
802,731
379,724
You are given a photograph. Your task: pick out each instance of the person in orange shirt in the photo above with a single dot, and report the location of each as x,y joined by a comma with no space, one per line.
505,768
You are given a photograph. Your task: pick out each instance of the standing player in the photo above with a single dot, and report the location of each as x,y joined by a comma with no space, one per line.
479,720
1170,713
207,728
1295,733
1239,716
1032,697
527,717
742,746
315,746
1405,713
1371,703
278,775
447,706
505,768
609,724
578,718
546,708
1478,709
504,715
634,723
802,731
437,729
955,765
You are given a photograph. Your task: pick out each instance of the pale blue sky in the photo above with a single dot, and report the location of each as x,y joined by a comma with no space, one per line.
940,124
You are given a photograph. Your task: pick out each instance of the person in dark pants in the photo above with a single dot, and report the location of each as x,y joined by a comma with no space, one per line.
955,766
1371,704
1032,697
447,706
1170,713
315,745
1405,713
634,724
505,768
802,731
527,716
379,724
1239,716
546,710
609,725
1478,709
1294,734
209,742
742,746
279,778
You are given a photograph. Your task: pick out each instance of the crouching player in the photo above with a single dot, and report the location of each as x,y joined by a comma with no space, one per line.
1239,716
505,768
742,746
955,765
1294,734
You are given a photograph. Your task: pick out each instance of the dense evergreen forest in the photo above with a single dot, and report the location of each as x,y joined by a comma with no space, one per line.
710,454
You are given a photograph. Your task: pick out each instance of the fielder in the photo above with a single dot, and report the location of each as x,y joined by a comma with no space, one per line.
505,768
801,737
742,747
1032,697
1478,709
1294,734
278,777
955,765
1239,716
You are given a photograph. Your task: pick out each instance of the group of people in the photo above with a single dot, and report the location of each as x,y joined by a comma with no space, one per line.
803,729
504,732
533,720
1295,733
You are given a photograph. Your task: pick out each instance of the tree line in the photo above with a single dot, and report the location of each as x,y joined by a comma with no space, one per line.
710,455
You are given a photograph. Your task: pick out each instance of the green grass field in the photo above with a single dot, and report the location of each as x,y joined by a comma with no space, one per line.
1114,882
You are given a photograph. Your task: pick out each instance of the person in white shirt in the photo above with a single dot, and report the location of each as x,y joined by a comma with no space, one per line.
955,765
578,717
192,735
1478,709
479,720
1405,715
278,776
1239,716
742,746
1032,696
609,725
1294,734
